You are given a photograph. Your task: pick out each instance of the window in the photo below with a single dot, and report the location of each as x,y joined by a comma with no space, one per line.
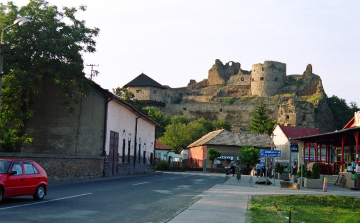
128,159
276,79
287,117
18,168
262,69
242,79
184,109
261,78
220,110
4,166
30,169
154,92
138,91
123,152
252,79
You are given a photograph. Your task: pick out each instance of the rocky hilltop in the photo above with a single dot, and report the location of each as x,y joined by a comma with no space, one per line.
232,93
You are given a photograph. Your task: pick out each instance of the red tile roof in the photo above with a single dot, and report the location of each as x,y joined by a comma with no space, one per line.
159,145
296,132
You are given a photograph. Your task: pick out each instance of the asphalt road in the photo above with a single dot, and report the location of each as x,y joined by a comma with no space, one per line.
137,198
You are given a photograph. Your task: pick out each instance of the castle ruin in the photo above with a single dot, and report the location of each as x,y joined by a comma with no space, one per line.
232,93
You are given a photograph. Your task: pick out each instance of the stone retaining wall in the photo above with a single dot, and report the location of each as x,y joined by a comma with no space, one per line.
62,167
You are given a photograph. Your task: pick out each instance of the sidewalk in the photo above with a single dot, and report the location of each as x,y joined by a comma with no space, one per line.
229,200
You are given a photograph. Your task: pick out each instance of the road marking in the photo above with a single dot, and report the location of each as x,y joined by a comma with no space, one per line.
141,183
42,202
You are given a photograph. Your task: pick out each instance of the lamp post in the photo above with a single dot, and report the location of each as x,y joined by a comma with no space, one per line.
20,21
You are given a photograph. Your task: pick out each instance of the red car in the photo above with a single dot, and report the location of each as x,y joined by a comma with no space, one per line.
22,177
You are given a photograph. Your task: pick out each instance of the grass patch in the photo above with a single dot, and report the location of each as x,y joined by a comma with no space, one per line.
305,209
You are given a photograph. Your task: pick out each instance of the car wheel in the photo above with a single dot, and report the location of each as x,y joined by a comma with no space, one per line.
39,193
1,194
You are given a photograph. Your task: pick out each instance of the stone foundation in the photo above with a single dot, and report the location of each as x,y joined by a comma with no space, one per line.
62,167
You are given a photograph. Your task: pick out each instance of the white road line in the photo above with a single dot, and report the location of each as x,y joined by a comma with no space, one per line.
42,202
141,183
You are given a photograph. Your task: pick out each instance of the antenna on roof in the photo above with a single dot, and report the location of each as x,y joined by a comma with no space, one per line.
93,73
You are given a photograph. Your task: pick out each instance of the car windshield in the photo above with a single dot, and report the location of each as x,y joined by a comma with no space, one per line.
4,166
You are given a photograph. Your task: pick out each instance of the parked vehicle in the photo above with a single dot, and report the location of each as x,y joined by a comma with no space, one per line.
22,177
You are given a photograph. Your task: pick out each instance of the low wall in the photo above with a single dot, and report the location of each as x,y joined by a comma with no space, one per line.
63,167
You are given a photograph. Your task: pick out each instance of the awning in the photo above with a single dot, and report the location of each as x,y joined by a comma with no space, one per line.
227,158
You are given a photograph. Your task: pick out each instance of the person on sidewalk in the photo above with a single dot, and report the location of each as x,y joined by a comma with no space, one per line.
294,168
270,168
232,167
257,168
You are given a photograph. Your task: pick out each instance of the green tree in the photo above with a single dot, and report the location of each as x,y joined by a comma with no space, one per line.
175,137
260,121
180,119
249,156
213,154
159,117
179,135
342,113
222,124
51,45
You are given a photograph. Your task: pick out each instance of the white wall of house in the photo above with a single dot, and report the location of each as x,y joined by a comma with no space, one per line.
282,143
162,154
121,119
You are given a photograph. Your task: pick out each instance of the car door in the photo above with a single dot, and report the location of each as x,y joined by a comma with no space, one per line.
32,178
15,183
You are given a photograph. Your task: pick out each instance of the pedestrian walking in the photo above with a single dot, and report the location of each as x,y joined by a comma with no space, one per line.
257,168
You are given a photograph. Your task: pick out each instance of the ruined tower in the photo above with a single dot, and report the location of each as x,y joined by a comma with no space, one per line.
267,78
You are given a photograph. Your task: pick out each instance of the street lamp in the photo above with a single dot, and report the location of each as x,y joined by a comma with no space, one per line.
20,21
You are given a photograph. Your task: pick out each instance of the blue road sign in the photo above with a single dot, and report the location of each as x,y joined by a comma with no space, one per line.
270,153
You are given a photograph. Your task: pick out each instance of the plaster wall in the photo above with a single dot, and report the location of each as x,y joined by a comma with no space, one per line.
123,120
56,130
282,143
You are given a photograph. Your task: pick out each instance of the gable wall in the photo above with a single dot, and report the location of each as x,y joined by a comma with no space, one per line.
57,131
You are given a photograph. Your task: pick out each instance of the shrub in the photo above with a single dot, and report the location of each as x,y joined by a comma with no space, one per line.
162,165
316,171
279,168
308,174
303,171
228,101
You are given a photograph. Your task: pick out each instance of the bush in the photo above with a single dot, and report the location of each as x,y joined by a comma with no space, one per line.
303,171
162,165
279,168
228,101
316,171
308,174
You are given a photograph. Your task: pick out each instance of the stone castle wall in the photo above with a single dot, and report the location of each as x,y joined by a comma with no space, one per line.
267,78
147,93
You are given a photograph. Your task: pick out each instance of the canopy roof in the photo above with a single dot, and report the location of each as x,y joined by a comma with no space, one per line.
333,138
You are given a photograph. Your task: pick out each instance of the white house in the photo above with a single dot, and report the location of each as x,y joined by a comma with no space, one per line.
129,140
282,136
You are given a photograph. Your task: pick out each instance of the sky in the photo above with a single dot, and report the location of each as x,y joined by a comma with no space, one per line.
173,41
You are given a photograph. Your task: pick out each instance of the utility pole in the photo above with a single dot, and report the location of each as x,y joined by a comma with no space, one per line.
93,72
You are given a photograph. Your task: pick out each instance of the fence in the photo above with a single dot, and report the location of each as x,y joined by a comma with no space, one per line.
192,163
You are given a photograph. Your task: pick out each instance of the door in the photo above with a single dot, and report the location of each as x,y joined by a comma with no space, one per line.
113,153
15,183
32,178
